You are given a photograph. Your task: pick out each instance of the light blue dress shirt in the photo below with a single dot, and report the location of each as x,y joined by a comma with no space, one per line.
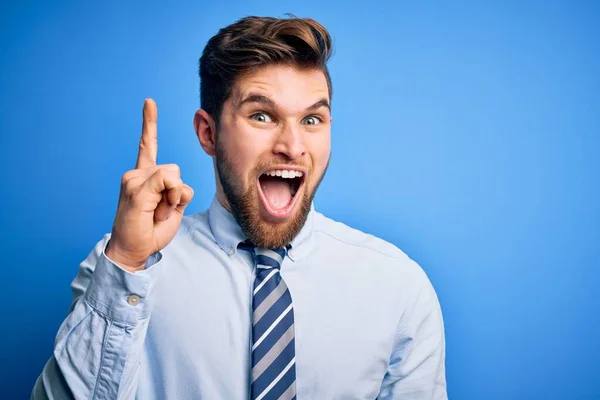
368,322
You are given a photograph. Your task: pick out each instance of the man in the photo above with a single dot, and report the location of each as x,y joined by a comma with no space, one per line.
261,296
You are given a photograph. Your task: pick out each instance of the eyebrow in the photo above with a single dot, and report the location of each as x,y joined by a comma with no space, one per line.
261,99
319,104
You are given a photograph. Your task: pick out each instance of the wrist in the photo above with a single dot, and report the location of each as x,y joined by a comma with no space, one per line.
128,263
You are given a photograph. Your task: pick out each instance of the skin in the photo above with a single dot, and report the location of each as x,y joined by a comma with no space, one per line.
151,203
277,117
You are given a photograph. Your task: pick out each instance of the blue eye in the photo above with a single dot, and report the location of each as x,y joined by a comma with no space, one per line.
262,117
311,120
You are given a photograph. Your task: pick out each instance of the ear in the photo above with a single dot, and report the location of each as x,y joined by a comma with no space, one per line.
205,128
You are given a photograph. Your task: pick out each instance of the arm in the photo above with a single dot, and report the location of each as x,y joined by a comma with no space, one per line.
98,346
417,363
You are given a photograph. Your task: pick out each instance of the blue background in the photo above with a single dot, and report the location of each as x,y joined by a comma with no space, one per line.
465,133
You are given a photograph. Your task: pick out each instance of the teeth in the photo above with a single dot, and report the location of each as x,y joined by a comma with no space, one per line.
285,173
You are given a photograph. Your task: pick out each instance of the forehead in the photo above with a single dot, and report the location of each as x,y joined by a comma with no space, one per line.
287,86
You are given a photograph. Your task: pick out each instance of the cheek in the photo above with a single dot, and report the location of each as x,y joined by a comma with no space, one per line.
243,150
320,150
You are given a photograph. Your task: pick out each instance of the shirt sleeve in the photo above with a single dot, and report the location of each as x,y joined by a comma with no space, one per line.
98,345
417,363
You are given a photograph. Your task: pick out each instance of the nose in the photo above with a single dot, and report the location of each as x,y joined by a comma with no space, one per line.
290,142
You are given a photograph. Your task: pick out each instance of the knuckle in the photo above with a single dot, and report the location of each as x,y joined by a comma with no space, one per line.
145,141
143,147
127,176
160,173
173,168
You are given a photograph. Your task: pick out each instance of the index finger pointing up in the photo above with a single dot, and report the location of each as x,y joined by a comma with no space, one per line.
149,140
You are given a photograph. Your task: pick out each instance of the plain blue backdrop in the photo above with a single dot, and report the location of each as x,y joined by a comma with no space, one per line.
465,133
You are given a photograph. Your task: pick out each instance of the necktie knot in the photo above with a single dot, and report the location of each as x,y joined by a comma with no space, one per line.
265,258
268,258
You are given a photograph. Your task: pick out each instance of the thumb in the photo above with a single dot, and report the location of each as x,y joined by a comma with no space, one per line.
187,194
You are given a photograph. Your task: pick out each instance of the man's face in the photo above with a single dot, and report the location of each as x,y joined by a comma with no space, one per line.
272,150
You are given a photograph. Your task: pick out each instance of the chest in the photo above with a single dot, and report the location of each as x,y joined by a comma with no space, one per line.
200,331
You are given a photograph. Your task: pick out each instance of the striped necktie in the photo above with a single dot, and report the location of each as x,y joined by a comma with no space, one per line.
273,351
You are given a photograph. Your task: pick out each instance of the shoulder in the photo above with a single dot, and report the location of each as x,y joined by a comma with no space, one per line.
358,240
370,253
367,249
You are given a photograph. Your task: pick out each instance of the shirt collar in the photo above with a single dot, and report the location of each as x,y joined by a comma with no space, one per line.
228,234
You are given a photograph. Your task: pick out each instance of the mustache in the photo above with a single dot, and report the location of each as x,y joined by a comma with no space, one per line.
280,162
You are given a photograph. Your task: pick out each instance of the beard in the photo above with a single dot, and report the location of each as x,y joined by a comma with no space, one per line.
245,205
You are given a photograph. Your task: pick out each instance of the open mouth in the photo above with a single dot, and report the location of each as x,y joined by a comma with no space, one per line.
279,190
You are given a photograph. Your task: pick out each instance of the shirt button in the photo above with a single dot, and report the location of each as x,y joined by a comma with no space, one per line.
231,250
133,300
291,253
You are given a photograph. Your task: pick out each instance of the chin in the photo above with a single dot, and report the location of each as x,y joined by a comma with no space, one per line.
273,207
262,227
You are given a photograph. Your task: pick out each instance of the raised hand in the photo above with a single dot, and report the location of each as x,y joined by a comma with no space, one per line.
151,204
